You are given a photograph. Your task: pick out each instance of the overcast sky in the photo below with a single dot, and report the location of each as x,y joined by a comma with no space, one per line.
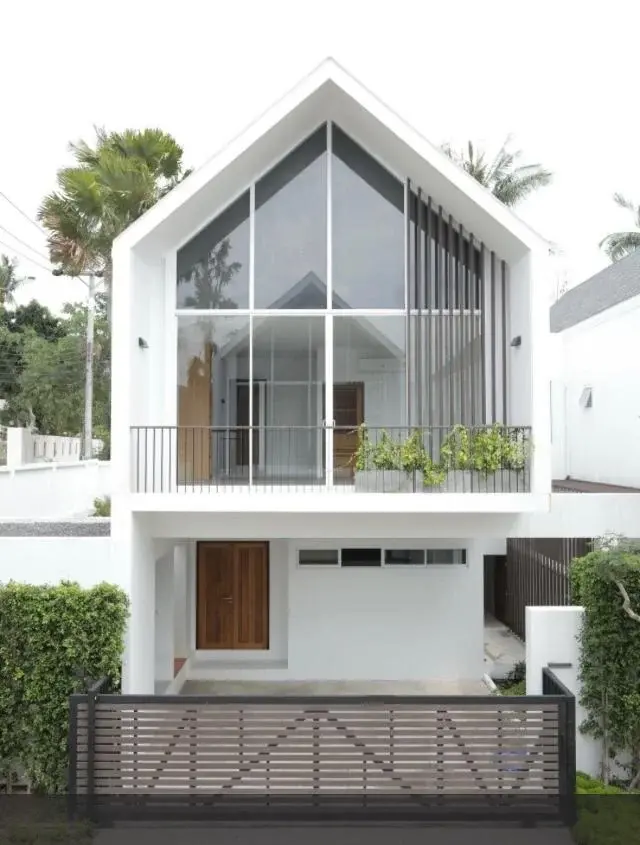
561,76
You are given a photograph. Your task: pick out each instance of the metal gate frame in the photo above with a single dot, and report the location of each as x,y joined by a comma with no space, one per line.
105,809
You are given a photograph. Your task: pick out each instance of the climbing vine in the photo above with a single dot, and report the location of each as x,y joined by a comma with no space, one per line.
606,583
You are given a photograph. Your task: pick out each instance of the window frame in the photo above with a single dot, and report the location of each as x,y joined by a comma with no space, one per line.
425,548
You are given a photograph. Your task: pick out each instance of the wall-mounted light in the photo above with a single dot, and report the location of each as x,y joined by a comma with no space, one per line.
142,343
517,341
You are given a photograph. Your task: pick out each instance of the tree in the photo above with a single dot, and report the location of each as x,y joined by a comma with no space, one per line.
620,244
509,181
33,316
9,280
50,385
109,186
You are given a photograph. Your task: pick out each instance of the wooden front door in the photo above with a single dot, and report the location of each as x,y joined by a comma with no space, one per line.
348,413
233,596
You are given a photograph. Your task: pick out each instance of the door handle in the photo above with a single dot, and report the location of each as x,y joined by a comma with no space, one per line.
228,599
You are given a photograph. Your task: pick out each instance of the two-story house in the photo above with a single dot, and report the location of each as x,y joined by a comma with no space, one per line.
330,399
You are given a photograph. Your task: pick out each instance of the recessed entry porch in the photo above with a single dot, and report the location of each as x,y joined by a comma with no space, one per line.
290,617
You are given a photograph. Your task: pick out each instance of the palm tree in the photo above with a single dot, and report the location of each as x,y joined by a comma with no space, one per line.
9,280
110,185
509,181
620,244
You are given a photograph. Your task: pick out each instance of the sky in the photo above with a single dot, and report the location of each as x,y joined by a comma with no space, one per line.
558,76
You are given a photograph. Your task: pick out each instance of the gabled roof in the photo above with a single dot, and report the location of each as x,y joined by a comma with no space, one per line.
328,93
615,284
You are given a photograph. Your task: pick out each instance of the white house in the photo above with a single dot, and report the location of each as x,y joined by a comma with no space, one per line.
328,269
595,399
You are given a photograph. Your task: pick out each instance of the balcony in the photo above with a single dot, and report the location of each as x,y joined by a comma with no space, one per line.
303,459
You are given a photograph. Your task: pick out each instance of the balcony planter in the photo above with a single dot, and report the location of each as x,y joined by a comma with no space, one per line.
469,481
485,460
395,466
386,481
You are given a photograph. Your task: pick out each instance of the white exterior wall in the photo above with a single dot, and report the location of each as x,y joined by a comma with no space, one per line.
52,491
552,637
49,560
388,623
368,623
601,442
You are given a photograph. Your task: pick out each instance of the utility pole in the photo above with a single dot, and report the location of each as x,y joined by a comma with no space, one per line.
88,381
87,435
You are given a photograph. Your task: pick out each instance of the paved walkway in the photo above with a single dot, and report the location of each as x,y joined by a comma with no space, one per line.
502,649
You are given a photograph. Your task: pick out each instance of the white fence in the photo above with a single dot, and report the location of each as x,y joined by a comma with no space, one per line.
53,490
26,447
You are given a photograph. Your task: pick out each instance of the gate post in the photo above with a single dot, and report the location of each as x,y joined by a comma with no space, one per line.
567,757
72,753
91,743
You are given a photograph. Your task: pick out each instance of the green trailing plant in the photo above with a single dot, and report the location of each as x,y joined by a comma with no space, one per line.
456,450
387,453
606,582
54,641
363,458
413,455
408,456
486,450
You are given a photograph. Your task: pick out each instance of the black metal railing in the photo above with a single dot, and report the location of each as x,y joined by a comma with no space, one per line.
367,459
231,758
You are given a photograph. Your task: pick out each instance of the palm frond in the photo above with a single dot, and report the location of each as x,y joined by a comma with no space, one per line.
509,181
620,244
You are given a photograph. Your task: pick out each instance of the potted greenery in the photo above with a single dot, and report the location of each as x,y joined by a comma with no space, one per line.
489,459
395,466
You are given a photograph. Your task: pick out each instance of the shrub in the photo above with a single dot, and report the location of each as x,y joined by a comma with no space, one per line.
53,641
606,583
102,507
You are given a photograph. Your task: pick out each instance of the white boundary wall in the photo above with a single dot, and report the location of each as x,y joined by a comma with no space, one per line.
53,490
50,560
552,637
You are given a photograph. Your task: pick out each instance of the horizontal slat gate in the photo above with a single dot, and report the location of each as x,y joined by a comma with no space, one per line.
272,757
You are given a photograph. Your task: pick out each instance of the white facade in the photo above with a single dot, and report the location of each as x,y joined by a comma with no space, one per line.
595,402
239,358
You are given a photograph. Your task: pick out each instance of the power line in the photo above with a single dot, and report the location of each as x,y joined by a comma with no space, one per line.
24,243
20,211
26,257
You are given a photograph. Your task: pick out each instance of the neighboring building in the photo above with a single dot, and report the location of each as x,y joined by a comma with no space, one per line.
595,391
329,268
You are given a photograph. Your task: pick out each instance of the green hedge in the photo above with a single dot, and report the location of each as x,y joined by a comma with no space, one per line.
51,637
607,815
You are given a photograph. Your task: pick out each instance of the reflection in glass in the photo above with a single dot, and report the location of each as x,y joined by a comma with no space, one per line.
369,367
291,230
368,230
288,383
213,268
213,371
